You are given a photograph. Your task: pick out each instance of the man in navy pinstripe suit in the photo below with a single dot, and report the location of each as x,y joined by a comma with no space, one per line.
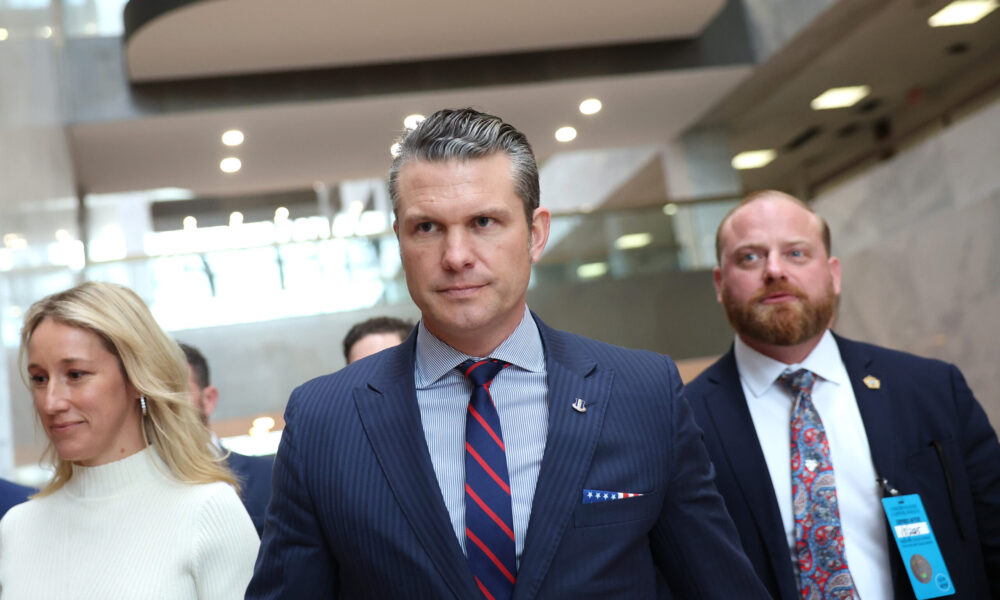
609,490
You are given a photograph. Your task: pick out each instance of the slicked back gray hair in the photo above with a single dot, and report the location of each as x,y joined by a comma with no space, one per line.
465,134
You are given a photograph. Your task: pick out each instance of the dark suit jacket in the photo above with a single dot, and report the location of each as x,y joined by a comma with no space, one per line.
12,494
927,434
357,512
254,473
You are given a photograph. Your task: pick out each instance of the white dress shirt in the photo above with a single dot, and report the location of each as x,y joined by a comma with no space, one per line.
858,494
520,392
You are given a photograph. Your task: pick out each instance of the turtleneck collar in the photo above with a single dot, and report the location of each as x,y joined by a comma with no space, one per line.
117,478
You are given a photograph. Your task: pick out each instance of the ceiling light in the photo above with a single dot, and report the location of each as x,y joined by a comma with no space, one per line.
753,159
62,235
15,241
590,106
4,34
230,164
962,12
235,218
190,223
233,137
261,425
633,240
280,214
565,134
394,150
45,32
412,121
670,209
841,97
591,270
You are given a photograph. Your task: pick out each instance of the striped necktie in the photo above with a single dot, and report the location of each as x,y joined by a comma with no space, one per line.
489,522
819,541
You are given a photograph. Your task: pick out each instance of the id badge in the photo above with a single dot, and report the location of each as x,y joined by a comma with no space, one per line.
917,546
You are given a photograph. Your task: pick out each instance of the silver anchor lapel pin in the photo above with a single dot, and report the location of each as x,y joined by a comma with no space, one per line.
579,405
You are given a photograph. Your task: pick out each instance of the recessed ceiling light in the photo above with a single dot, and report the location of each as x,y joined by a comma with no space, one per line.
841,97
394,150
230,164
753,159
590,106
591,270
565,134
62,235
190,223
45,32
962,12
235,218
633,240
15,241
4,34
670,209
280,214
412,121
233,137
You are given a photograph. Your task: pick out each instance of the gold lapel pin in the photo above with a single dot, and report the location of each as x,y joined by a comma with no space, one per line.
872,382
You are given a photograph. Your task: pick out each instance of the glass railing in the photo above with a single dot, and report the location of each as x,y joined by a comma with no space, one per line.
266,271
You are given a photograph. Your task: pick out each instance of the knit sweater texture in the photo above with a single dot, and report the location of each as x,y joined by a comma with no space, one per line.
127,530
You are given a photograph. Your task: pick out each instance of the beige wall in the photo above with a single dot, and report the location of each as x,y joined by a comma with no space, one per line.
919,239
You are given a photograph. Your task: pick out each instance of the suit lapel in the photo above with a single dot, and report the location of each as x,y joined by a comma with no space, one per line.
569,449
874,405
876,409
727,408
391,418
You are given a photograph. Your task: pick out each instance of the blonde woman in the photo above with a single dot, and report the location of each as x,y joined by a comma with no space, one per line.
139,507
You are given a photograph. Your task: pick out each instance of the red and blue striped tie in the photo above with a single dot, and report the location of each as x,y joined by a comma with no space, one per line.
489,523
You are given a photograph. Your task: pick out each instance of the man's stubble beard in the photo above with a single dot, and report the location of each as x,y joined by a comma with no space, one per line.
785,323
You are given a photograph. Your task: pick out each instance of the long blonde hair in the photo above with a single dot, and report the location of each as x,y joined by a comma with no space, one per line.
151,361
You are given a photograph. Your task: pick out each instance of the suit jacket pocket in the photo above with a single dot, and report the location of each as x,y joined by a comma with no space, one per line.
935,466
612,512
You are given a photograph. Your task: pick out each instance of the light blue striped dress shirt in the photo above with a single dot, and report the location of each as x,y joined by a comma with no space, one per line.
521,395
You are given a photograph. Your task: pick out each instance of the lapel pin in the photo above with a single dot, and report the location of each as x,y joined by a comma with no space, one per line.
872,382
580,406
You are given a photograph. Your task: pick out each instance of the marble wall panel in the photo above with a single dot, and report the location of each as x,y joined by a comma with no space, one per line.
972,148
918,240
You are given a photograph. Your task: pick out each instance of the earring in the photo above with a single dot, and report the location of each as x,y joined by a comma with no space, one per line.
142,403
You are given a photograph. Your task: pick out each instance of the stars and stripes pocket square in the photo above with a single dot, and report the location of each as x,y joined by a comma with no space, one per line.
593,496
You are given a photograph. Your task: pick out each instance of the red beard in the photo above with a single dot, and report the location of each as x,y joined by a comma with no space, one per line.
782,324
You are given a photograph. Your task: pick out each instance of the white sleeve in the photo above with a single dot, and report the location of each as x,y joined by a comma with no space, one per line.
226,547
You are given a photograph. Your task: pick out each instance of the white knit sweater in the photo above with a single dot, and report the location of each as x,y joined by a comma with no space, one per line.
125,530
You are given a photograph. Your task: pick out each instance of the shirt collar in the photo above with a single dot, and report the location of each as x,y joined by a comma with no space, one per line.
435,358
759,372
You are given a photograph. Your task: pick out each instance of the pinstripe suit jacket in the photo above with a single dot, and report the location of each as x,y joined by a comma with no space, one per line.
356,511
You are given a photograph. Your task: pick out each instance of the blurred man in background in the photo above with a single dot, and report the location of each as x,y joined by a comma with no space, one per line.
374,335
253,472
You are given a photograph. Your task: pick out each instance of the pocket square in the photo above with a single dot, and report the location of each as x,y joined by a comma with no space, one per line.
592,496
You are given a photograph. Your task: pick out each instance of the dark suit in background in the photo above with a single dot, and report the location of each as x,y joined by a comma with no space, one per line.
928,436
254,474
357,512
12,494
